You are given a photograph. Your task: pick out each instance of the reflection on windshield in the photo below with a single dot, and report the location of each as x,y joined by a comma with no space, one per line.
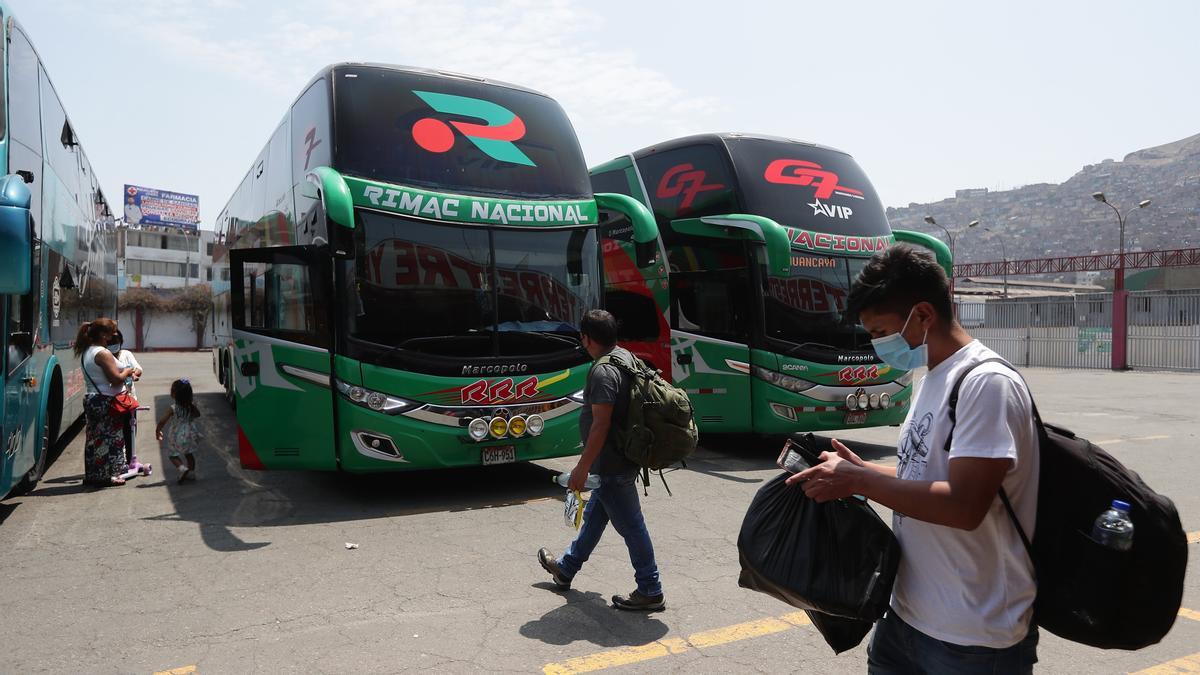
421,285
808,307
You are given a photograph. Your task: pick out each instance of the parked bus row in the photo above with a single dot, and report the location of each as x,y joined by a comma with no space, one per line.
405,264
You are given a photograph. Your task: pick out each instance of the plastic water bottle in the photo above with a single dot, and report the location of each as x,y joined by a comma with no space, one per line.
1113,528
592,482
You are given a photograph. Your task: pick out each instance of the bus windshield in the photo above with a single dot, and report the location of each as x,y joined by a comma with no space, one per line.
807,308
807,187
446,290
454,135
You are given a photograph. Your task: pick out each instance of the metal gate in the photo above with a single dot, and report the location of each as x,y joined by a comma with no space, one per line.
1076,332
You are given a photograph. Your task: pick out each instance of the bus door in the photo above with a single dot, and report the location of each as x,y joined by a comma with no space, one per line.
20,410
710,330
281,366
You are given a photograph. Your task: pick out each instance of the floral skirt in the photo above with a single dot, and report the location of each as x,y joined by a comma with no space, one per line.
104,448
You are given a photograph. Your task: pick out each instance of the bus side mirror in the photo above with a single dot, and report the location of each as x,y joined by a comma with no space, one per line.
341,241
16,236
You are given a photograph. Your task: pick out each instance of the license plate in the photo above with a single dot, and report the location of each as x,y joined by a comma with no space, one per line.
857,417
500,454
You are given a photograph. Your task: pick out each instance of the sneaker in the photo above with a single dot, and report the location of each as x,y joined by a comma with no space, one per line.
550,564
183,475
636,602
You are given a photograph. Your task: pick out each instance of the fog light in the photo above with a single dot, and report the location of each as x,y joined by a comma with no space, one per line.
535,424
517,427
785,411
885,401
874,400
498,427
864,401
852,402
478,428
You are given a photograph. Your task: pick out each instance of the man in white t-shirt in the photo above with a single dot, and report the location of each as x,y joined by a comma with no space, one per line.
963,596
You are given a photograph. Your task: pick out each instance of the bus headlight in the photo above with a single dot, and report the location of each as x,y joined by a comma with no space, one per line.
864,401
873,399
374,400
536,424
885,401
517,427
478,428
852,402
793,384
498,427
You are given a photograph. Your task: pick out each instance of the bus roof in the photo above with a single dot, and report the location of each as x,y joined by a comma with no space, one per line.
721,137
430,72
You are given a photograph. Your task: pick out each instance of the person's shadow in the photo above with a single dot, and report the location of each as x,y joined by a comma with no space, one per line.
587,616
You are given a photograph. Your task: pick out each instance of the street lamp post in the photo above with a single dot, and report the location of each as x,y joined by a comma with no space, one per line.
950,237
1005,250
1120,320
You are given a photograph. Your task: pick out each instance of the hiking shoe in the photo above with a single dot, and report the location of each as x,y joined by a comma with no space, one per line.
636,602
550,564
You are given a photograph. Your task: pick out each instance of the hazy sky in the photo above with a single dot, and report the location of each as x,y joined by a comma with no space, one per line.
928,96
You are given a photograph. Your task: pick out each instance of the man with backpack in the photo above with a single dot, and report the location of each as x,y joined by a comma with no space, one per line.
964,594
606,399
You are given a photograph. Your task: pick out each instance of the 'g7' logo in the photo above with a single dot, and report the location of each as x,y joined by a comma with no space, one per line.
686,180
800,172
494,138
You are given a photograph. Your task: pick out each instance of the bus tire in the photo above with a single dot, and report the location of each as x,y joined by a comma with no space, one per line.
50,429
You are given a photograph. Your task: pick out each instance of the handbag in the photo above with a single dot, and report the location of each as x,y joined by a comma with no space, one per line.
122,404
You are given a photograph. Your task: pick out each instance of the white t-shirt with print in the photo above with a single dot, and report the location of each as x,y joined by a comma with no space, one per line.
977,587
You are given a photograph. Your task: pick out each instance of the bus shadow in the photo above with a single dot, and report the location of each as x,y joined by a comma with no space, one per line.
225,496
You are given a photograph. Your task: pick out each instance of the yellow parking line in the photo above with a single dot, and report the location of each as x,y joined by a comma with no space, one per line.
1189,614
665,647
1187,664
182,670
1194,537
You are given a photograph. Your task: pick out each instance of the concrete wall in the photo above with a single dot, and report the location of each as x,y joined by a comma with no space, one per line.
163,331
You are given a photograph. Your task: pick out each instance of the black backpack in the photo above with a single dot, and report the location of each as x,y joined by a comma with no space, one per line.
1087,592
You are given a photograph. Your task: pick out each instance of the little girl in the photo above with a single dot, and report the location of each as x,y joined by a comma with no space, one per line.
181,436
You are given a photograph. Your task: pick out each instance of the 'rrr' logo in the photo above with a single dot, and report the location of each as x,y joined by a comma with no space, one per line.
483,392
494,139
684,179
800,172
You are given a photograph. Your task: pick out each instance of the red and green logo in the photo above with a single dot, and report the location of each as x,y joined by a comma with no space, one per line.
495,138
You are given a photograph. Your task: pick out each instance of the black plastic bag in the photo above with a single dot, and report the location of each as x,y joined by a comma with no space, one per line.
838,558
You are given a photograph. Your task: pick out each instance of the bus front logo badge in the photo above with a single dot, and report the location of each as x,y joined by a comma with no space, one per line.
494,139
800,172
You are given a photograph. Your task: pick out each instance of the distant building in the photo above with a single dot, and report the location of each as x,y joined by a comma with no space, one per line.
162,258
970,192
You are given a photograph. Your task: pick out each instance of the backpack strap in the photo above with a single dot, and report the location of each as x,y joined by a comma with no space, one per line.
952,404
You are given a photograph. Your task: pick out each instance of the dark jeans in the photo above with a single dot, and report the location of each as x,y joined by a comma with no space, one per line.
615,500
897,647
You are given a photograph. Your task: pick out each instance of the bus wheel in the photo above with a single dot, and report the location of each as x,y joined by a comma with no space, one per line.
31,478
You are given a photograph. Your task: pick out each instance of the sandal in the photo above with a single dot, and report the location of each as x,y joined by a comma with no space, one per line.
183,476
115,481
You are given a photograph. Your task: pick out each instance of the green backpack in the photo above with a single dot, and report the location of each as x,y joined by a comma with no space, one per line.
658,430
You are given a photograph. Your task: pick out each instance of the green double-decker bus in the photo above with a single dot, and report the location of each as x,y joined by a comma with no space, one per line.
402,275
761,238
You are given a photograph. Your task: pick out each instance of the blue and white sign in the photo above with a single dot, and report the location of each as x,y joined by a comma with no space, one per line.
147,206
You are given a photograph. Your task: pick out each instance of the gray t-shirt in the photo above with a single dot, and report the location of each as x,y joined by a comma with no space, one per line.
606,383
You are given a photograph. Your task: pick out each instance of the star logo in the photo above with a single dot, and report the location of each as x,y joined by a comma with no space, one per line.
818,208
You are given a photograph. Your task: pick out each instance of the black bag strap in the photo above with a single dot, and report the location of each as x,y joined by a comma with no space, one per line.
83,365
1039,429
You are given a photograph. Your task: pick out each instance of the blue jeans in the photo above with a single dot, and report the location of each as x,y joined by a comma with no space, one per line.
617,500
897,647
